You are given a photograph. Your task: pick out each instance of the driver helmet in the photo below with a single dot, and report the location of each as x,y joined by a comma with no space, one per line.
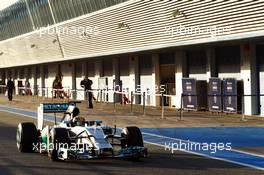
79,121
73,111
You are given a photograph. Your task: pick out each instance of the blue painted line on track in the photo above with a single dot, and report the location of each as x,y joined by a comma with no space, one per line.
25,113
239,136
232,156
164,136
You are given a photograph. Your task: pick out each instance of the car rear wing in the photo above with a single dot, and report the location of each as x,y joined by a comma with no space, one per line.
52,108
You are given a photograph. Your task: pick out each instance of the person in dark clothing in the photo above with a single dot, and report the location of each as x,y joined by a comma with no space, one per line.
87,85
10,88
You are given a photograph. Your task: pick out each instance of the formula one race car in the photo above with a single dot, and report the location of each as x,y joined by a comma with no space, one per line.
75,138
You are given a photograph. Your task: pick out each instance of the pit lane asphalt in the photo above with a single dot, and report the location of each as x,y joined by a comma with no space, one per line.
159,161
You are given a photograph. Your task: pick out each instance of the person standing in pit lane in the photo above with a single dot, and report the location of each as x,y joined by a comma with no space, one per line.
10,88
87,85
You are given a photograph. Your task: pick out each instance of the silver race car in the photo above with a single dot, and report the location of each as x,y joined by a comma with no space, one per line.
76,138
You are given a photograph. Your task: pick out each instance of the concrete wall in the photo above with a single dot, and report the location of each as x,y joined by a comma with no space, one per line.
237,61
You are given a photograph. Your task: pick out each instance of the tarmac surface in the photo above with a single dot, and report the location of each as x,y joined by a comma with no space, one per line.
160,161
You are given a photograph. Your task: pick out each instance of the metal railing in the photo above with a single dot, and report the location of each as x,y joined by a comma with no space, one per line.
123,98
239,104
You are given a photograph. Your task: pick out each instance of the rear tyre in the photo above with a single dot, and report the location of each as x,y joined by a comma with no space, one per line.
59,138
26,137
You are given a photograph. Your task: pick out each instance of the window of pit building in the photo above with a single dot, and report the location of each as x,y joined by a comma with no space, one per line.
228,60
90,69
124,66
9,73
46,71
166,58
108,67
37,72
16,74
21,73
29,73
78,69
145,64
260,56
197,63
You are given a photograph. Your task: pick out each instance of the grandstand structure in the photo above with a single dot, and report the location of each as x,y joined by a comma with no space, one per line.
134,44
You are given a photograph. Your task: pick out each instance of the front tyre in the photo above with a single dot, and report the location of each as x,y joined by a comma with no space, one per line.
132,146
132,137
26,137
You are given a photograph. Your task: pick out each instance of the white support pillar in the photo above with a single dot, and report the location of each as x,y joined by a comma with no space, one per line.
134,76
180,72
155,79
116,70
14,78
6,77
42,91
248,71
211,70
2,76
98,65
116,75
35,80
26,74
30,77
73,75
26,77
16,81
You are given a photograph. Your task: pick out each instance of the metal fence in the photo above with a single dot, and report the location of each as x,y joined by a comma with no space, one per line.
225,101
125,98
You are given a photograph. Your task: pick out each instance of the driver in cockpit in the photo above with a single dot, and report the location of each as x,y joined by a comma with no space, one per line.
72,116
79,121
